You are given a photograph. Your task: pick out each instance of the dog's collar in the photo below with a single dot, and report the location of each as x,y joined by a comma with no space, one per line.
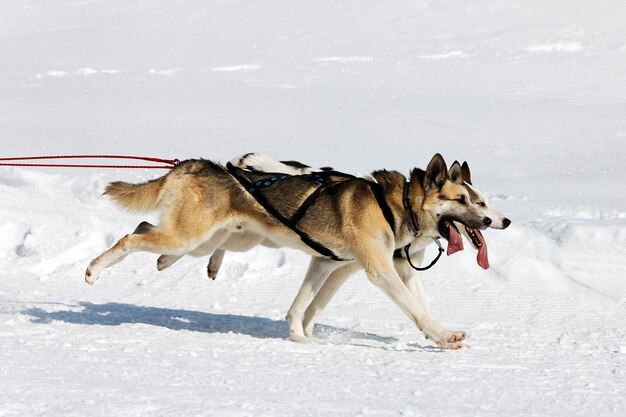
415,229
406,201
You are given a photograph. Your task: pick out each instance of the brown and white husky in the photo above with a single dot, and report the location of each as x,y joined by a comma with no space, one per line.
358,222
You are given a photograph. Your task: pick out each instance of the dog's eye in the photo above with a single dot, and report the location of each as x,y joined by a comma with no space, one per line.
481,204
461,200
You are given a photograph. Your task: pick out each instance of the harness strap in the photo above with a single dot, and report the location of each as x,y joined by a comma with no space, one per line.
323,179
406,201
323,176
259,185
290,223
299,214
377,190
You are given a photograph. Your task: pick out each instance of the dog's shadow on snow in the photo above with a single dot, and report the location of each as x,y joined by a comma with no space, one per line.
115,314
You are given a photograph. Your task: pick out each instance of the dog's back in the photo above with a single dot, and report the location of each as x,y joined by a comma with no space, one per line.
263,163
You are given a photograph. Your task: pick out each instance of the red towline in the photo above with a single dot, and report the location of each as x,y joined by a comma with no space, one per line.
18,161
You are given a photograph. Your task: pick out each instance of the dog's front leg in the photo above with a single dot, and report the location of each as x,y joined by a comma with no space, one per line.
319,270
387,279
413,282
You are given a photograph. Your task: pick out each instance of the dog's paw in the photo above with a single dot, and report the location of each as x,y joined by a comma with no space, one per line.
448,339
451,346
454,336
297,337
212,269
165,261
91,274
296,332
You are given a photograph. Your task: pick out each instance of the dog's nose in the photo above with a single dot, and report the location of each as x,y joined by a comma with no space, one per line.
487,221
506,223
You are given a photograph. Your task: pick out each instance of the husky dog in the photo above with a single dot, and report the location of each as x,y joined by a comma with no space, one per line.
352,223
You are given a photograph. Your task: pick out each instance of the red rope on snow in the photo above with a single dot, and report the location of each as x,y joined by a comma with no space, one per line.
170,163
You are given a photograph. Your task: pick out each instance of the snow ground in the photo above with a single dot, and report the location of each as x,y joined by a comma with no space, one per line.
530,93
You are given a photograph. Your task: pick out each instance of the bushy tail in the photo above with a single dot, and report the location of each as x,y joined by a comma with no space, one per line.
137,197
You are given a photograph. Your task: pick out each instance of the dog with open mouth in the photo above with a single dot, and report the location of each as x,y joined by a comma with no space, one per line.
343,225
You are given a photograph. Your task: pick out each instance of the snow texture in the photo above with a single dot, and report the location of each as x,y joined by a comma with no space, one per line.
530,93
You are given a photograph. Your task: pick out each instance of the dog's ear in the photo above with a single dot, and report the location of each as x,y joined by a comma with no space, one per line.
455,173
465,173
436,172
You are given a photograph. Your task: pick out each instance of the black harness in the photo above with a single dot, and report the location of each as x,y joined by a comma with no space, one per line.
291,222
323,178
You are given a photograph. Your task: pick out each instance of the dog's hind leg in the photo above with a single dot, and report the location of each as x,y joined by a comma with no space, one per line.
152,240
165,261
319,270
334,281
215,262
142,228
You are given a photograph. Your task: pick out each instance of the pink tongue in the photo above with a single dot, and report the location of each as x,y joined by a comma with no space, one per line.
483,257
455,243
